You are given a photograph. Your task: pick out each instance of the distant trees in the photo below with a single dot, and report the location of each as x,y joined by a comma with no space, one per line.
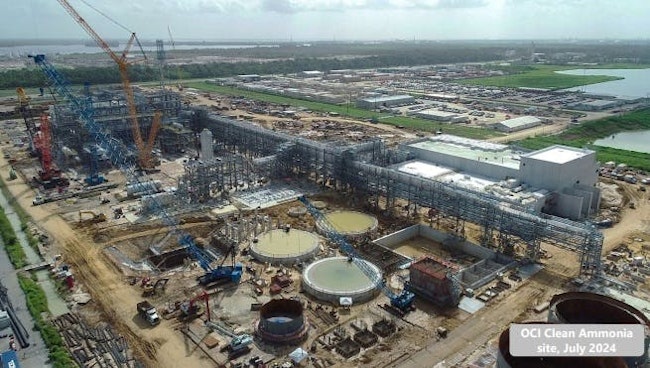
291,58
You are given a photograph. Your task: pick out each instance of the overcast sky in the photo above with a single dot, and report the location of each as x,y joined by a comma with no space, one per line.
335,19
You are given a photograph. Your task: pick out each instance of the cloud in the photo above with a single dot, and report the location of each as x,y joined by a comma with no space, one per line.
299,6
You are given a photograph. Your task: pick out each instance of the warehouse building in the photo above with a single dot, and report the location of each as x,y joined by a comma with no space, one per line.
372,103
557,180
249,77
311,74
442,116
595,105
517,124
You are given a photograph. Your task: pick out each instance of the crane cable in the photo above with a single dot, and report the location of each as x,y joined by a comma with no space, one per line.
107,17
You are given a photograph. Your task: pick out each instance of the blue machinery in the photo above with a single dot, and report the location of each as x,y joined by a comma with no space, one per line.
402,301
122,158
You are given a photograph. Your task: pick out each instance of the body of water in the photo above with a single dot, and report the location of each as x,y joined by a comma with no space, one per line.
636,82
629,141
23,51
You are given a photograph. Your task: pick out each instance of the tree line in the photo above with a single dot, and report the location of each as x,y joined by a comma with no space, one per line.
32,77
292,58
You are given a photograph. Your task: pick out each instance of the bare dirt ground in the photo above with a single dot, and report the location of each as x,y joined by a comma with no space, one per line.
157,347
632,220
540,130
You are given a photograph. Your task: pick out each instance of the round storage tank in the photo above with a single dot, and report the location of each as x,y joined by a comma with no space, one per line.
587,308
285,247
351,224
506,360
330,279
282,321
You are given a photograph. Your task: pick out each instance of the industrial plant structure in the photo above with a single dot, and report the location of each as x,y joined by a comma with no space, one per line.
373,171
434,281
557,180
71,144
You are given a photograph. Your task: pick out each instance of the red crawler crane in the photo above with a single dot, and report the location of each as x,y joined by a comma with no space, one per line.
49,175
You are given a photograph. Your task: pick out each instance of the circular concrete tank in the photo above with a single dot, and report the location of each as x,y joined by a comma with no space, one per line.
286,247
330,279
506,360
282,321
583,307
351,224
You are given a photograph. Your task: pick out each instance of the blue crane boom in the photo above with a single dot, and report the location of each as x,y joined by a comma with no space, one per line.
402,301
123,159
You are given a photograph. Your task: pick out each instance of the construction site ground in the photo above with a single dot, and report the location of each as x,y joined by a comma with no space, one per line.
415,344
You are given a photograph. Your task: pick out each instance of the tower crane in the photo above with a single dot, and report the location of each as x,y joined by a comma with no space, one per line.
145,157
402,302
120,156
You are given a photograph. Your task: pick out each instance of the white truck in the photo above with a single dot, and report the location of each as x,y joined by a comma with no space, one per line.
148,312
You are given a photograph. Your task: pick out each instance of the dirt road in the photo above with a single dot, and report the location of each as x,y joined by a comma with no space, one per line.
157,347
474,332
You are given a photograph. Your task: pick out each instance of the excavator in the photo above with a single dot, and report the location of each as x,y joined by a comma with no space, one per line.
191,310
150,288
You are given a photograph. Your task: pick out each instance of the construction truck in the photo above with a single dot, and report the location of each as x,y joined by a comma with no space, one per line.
148,312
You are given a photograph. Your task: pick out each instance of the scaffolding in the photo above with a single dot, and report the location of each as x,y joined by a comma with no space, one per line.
361,169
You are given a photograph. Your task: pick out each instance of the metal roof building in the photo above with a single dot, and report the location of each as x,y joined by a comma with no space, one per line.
517,124
385,101
444,116
569,173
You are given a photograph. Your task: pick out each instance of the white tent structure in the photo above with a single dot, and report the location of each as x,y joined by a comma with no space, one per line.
298,355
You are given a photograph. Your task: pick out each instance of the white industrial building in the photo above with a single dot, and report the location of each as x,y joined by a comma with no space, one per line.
557,180
311,74
443,116
517,124
372,103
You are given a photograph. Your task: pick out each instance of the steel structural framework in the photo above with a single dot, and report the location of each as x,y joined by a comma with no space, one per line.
109,110
360,168
121,157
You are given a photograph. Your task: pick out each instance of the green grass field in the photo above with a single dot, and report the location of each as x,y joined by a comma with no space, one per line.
544,76
585,134
350,111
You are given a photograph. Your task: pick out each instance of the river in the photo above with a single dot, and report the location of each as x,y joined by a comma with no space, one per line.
635,82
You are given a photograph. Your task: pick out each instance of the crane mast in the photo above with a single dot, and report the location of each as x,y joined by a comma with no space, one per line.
145,158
